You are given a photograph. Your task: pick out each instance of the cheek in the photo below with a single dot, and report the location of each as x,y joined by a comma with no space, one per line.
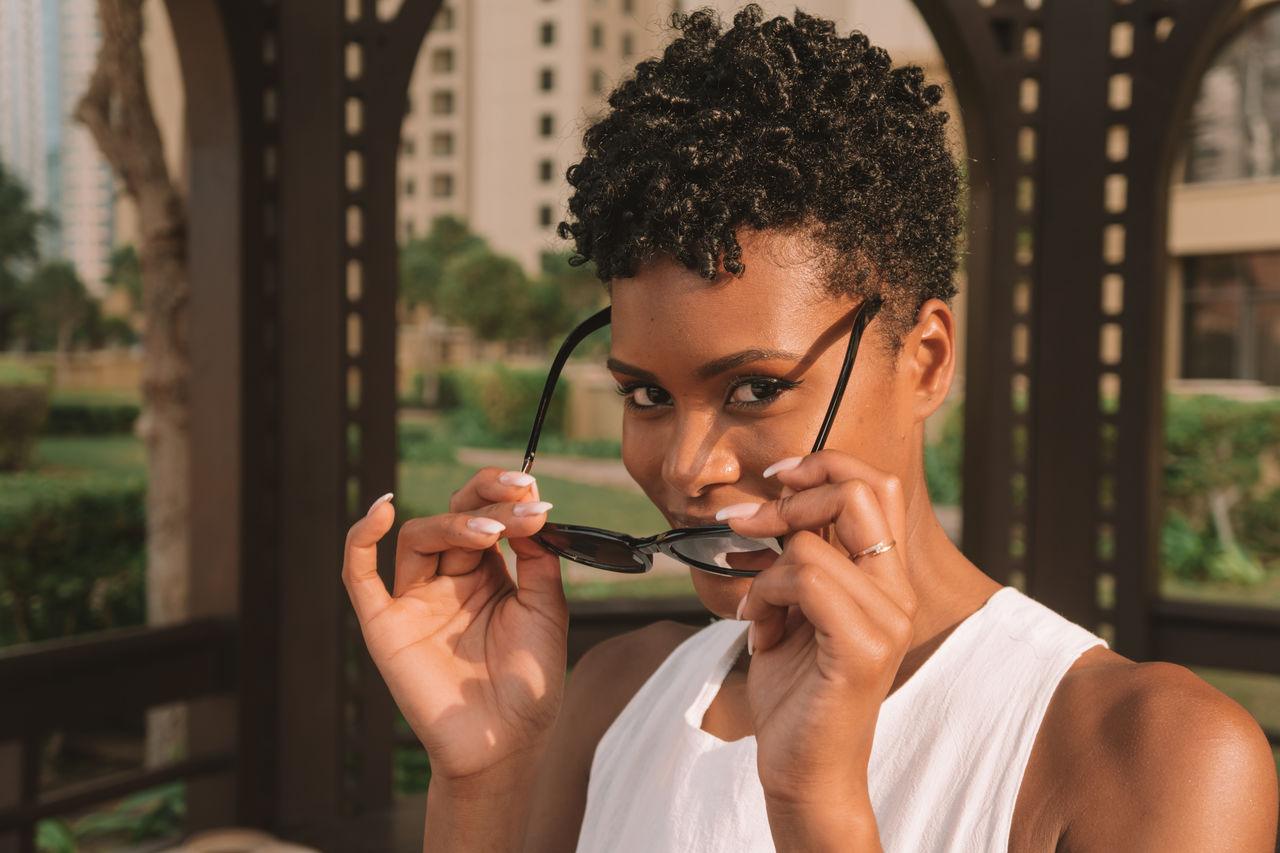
641,452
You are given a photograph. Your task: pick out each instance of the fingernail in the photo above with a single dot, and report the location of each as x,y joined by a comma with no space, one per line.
782,465
737,511
380,501
486,525
751,640
524,509
515,478
741,604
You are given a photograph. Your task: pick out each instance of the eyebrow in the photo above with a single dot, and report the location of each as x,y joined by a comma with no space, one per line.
714,367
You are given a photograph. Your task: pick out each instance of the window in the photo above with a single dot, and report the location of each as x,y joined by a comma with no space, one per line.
442,103
627,46
406,146
548,32
1231,317
546,124
444,19
597,82
547,79
628,6
442,60
409,187
442,144
545,216
597,36
546,171
409,229
442,185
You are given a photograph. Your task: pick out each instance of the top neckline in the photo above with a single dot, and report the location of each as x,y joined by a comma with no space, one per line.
736,641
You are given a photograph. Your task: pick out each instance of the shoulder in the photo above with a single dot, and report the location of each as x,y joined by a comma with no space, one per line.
600,686
1154,753
611,672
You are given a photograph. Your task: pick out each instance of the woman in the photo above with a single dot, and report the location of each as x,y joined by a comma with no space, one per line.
752,200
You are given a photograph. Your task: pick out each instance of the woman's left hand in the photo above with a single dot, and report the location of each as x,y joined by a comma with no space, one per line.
829,632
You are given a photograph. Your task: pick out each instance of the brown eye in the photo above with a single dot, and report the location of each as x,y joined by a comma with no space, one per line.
756,391
645,396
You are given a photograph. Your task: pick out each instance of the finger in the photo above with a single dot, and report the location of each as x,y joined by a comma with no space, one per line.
517,520
833,466
812,589
852,508
490,486
423,540
541,585
360,559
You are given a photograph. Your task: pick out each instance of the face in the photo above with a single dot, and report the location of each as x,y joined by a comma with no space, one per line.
722,379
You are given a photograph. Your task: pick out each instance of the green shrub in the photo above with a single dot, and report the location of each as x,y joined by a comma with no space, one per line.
23,409
424,443
1221,450
496,405
88,415
72,557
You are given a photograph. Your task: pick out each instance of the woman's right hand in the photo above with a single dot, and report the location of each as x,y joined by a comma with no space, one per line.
475,663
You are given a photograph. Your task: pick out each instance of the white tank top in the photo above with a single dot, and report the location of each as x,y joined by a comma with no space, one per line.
950,749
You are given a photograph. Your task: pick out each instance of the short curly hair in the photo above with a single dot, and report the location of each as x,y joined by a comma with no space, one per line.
782,125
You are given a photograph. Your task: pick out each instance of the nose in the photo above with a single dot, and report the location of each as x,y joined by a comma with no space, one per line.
699,455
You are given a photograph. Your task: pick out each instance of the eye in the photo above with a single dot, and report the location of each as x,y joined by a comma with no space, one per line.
644,396
758,391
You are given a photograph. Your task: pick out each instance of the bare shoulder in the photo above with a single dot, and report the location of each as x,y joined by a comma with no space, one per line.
1158,760
600,686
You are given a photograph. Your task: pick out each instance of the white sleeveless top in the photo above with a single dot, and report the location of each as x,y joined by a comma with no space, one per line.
950,748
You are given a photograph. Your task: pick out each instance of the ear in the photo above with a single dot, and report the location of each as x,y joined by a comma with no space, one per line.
929,357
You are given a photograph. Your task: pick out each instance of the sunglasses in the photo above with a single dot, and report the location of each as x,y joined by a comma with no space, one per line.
714,548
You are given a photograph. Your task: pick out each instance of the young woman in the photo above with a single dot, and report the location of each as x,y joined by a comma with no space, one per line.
757,201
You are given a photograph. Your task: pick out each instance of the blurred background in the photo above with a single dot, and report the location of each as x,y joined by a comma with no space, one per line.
107,349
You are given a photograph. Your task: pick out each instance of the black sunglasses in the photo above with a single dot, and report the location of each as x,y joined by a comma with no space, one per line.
714,548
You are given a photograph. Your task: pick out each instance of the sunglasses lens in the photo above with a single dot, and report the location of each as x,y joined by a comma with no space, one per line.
730,552
600,549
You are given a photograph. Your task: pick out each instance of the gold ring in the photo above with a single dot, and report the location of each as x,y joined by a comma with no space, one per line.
875,550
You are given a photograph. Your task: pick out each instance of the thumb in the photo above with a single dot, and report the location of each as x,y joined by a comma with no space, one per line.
538,576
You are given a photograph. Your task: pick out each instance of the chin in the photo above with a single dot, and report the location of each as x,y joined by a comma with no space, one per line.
718,593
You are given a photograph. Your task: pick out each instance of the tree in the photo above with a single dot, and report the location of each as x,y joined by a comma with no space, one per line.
486,291
562,296
20,227
124,272
57,307
116,109
423,259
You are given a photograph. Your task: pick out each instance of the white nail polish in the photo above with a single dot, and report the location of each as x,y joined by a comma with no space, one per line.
737,511
751,640
486,525
782,465
515,478
741,604
525,509
380,501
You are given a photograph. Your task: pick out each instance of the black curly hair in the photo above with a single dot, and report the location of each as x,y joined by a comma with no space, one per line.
773,125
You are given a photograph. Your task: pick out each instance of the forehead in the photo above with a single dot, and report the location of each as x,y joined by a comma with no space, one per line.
779,299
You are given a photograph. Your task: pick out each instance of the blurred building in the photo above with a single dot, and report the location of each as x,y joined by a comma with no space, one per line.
47,53
496,108
1224,217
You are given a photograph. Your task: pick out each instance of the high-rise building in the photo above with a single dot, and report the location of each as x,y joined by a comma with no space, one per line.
47,52
498,101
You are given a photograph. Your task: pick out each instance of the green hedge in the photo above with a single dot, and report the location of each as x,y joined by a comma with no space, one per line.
72,557
86,415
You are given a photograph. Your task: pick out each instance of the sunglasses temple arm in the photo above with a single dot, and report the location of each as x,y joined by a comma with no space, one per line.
596,321
866,314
